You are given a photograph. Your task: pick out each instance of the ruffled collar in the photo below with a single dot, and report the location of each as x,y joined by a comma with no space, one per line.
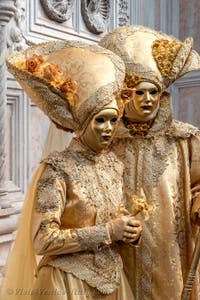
137,128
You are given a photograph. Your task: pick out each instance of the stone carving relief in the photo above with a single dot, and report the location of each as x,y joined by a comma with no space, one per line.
58,10
123,15
15,38
95,14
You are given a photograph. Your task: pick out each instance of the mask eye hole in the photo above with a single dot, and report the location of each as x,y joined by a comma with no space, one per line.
153,92
139,93
114,120
99,120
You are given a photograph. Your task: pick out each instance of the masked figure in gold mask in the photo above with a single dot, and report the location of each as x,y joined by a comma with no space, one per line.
74,210
161,157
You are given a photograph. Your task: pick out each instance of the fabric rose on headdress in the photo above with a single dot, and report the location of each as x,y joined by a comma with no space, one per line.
37,65
51,71
69,87
33,63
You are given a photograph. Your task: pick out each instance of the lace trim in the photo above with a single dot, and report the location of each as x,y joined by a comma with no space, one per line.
178,208
179,129
149,160
48,196
101,270
93,238
144,263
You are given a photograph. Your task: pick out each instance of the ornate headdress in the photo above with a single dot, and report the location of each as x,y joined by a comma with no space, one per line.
69,81
151,55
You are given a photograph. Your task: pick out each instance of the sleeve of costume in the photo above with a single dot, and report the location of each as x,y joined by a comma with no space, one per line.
195,167
48,235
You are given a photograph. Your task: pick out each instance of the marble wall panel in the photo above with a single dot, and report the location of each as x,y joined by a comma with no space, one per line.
8,145
190,21
157,15
189,108
189,24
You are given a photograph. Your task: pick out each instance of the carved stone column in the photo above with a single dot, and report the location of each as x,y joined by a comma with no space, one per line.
7,9
9,213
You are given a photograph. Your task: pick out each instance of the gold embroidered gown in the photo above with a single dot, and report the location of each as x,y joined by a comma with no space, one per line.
166,164
78,192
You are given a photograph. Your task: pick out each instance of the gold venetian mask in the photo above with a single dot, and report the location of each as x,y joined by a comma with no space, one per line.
100,131
144,105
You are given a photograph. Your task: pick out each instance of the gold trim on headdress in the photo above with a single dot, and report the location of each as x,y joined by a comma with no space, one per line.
68,80
132,80
151,55
164,52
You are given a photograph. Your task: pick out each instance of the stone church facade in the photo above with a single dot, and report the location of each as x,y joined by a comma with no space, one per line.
23,128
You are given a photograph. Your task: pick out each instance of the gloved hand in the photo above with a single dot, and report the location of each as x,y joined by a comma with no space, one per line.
125,228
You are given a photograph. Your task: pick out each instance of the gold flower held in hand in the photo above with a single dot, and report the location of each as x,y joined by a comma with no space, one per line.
138,204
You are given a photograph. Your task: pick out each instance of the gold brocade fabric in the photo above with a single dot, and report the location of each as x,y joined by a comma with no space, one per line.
79,192
166,164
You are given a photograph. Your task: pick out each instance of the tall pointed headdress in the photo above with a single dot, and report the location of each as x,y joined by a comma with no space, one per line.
69,81
151,56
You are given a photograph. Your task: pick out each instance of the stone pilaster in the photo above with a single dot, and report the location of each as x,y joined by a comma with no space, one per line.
10,196
7,10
